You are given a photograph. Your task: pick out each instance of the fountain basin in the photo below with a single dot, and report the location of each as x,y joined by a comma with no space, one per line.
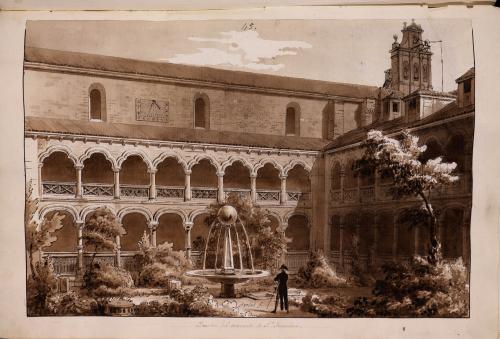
228,281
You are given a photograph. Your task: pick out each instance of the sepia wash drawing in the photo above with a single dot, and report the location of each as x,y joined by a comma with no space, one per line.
177,189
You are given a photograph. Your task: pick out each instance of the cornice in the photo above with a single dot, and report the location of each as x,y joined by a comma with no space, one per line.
189,146
183,82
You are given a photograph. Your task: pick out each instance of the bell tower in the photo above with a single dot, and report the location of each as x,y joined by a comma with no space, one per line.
410,61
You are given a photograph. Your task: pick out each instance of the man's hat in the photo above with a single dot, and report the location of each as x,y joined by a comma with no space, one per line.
283,267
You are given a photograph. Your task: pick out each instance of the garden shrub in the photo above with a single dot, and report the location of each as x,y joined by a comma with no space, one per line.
106,275
72,303
41,286
330,306
318,273
418,289
160,264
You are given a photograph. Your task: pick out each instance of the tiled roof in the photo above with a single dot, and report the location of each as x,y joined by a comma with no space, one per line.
469,74
431,93
147,132
205,74
357,135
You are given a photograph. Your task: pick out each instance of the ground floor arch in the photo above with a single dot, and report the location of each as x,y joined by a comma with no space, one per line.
171,229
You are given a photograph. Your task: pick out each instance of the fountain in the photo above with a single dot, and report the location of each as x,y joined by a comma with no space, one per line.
226,222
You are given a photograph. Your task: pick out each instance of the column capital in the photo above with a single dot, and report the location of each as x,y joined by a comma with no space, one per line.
188,225
80,223
188,172
253,175
153,224
152,170
116,169
220,174
79,166
283,176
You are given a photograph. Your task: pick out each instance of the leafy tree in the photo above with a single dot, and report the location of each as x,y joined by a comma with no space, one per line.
267,245
399,160
100,232
38,234
41,280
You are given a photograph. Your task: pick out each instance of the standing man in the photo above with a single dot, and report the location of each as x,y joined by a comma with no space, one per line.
281,289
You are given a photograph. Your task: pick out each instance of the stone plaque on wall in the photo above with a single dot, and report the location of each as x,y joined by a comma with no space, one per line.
151,110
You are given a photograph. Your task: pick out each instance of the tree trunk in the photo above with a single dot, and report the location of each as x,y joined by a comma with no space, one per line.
435,247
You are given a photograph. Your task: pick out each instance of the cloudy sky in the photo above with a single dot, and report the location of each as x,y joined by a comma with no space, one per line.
331,50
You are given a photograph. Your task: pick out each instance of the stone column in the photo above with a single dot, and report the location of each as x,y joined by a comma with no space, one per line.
79,190
283,194
80,264
40,183
220,186
188,225
395,238
152,184
374,248
116,183
187,185
342,179
416,240
341,242
118,252
153,225
253,187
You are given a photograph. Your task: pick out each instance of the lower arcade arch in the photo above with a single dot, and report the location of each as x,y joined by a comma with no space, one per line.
170,229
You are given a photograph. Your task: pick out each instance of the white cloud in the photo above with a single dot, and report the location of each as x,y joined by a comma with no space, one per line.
244,49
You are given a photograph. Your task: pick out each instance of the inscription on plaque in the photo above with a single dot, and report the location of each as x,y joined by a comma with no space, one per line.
151,110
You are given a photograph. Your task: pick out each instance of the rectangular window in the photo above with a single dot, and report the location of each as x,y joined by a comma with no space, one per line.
290,121
395,107
467,86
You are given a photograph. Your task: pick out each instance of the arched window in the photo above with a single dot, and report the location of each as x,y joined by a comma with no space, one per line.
292,120
201,112
97,102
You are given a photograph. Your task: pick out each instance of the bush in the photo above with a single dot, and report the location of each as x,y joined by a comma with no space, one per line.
418,289
182,303
72,303
318,273
103,274
41,286
154,275
331,306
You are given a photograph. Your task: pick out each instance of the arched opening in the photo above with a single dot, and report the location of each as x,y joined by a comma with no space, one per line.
367,177
298,180
268,183
237,176
298,184
201,112
292,120
66,236
451,232
170,179
199,233
134,177
349,232
298,231
385,237
432,151
366,233
135,224
351,179
97,102
204,181
335,176
406,241
335,234
455,152
97,176
58,174
170,229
